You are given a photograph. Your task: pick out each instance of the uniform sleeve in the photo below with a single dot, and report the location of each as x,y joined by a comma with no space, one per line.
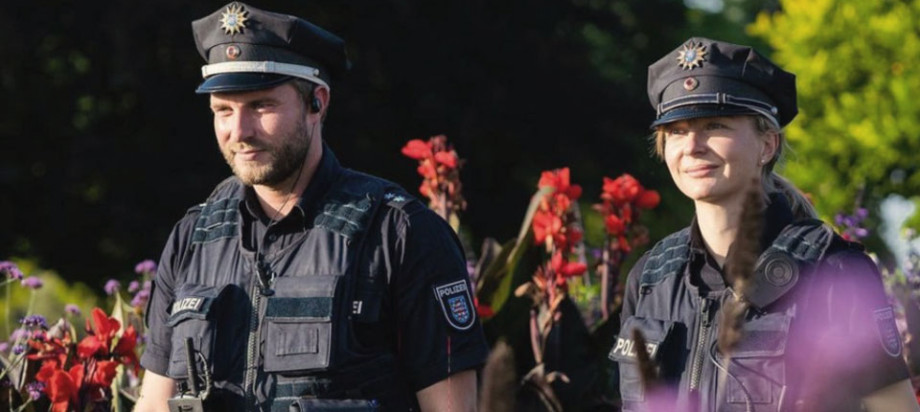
439,333
631,292
862,322
157,341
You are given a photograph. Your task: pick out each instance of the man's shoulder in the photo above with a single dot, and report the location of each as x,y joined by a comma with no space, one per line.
392,194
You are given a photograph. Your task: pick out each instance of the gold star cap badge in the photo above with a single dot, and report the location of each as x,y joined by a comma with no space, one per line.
233,21
691,56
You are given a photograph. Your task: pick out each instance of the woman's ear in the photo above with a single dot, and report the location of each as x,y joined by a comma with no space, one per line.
770,146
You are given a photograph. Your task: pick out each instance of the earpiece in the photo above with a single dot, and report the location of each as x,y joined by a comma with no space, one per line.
315,105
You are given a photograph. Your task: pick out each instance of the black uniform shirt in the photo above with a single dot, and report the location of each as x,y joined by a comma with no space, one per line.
847,299
417,251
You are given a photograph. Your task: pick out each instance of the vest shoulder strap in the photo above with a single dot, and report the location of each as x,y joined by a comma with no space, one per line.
794,252
348,207
667,257
217,217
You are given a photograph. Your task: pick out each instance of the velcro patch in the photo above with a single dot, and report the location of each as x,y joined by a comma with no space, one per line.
189,304
888,331
626,348
457,304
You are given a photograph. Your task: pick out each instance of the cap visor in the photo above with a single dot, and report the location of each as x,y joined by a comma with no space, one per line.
240,82
701,110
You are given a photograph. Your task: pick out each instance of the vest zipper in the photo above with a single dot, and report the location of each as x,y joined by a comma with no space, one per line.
252,355
700,350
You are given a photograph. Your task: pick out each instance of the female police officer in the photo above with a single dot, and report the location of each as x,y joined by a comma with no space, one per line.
817,332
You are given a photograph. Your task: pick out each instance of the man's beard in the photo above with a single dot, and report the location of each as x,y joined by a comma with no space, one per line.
286,158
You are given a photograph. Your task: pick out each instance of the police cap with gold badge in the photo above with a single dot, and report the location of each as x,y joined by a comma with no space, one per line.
709,78
249,49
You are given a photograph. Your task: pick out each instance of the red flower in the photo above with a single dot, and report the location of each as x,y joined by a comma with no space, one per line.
545,225
124,350
61,387
565,268
559,180
103,373
448,159
102,331
648,199
417,149
427,170
615,225
621,190
484,311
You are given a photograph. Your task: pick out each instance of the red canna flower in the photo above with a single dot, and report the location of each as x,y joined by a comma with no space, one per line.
623,189
648,199
484,311
103,373
565,268
545,225
559,180
60,386
102,331
124,350
417,149
448,159
427,170
615,225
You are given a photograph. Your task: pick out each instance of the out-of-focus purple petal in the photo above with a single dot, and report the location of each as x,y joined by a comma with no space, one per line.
111,287
146,266
72,309
133,286
32,282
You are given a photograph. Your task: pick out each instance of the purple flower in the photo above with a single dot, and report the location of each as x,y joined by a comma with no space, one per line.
32,282
34,320
147,266
4,346
18,349
112,287
862,213
18,334
10,269
140,299
35,390
72,309
133,286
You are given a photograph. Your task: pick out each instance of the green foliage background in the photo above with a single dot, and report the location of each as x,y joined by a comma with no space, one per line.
857,136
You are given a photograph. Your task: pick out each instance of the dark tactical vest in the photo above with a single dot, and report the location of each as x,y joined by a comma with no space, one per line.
296,335
681,328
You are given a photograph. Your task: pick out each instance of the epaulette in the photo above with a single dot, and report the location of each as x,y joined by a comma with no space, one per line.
667,257
218,216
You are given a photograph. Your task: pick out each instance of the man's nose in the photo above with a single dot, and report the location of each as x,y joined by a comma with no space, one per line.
240,127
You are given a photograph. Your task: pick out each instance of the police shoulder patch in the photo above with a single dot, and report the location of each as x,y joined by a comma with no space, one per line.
888,331
456,303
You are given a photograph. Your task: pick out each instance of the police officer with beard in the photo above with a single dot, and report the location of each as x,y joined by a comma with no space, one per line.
809,324
299,284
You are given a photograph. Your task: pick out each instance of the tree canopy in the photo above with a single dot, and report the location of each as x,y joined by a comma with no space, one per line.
858,132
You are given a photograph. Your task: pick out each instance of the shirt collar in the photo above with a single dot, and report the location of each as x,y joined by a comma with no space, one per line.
326,173
777,216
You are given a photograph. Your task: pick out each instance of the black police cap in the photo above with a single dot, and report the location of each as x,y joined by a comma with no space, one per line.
249,49
708,78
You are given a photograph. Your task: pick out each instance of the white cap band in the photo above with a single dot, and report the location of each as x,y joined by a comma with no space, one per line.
295,70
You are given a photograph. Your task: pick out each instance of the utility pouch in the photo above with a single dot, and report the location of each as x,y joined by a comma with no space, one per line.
194,315
333,405
758,367
658,335
186,404
298,324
